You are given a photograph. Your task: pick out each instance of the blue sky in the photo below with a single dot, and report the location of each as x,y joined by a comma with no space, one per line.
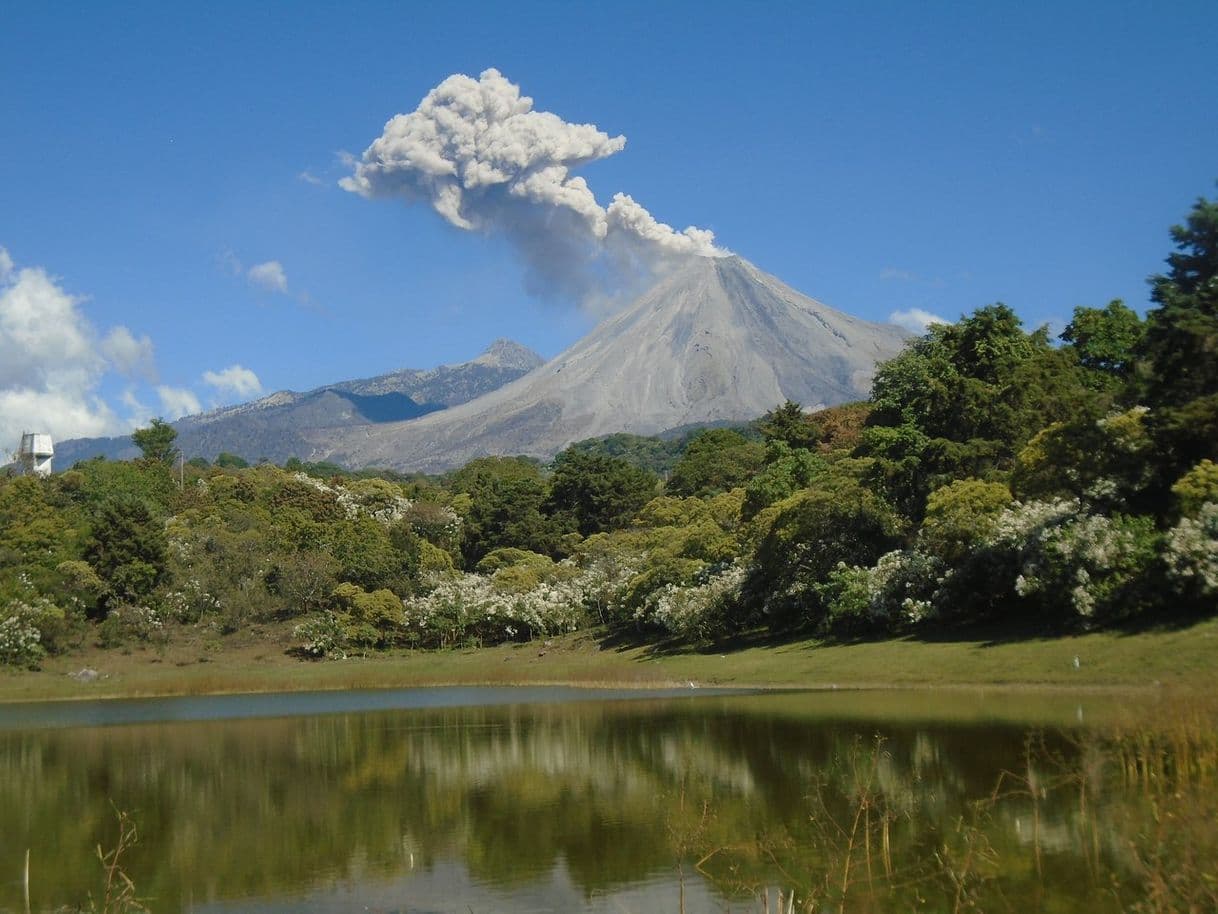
880,157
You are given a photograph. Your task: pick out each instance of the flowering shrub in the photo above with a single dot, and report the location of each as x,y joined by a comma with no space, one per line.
1192,552
22,624
703,611
190,602
899,588
122,623
321,636
1091,560
469,606
375,498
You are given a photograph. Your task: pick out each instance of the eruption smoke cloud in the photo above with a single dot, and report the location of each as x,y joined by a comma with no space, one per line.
477,152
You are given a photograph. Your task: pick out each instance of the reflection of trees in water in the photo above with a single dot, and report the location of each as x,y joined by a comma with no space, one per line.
617,792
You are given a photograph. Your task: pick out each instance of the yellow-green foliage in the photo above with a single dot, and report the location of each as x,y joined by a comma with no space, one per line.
516,570
508,556
1196,487
962,514
433,558
368,619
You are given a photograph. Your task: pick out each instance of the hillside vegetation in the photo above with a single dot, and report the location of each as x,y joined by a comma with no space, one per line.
994,480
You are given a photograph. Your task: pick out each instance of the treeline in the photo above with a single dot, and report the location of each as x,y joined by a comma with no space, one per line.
995,476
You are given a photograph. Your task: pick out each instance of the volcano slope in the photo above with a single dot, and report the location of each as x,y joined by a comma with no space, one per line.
715,340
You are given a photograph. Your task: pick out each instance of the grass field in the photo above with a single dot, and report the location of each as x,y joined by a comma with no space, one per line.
259,662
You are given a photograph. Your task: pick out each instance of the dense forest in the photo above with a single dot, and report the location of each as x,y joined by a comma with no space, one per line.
996,477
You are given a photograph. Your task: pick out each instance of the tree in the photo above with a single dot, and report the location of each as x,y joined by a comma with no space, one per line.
715,461
963,401
597,492
127,548
507,496
1106,340
786,471
962,514
811,533
156,441
790,424
1181,345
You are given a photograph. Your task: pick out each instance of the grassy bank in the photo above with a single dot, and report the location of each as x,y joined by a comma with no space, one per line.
257,662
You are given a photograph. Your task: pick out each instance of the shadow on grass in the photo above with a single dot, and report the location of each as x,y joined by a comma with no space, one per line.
990,634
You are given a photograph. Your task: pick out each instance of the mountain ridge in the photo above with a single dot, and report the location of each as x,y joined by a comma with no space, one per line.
270,427
715,340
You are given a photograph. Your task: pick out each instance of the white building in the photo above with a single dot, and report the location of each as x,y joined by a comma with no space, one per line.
35,454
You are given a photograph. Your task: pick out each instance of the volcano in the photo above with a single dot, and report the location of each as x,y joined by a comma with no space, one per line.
716,340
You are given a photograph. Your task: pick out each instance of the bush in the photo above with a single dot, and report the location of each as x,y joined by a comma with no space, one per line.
898,590
1192,554
703,611
26,629
368,619
1196,487
810,534
321,635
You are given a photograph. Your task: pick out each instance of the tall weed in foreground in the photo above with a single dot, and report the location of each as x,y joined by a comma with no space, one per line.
1121,819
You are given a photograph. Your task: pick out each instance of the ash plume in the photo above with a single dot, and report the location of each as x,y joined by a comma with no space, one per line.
478,153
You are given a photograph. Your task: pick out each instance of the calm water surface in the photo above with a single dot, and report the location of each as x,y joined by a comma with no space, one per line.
573,800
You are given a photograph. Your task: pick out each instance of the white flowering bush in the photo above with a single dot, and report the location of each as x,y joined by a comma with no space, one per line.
464,607
900,588
130,621
190,601
321,636
375,498
22,623
1093,562
1192,552
1057,558
703,611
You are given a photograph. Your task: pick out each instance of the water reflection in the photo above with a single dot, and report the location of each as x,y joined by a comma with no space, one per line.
707,804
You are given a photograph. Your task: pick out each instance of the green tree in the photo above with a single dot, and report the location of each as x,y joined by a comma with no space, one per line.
715,461
791,425
1181,345
127,549
156,441
963,400
786,471
811,533
960,515
507,497
1106,340
597,492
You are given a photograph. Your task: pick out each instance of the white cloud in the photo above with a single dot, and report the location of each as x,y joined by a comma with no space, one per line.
896,274
177,402
309,178
6,264
269,275
477,152
138,415
916,320
235,378
50,366
130,356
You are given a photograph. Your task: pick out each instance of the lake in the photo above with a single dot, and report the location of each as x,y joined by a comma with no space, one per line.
566,800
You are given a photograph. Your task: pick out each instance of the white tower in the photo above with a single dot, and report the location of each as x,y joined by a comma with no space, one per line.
35,454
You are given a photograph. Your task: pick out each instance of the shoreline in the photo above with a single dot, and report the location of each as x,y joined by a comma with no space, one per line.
1111,663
